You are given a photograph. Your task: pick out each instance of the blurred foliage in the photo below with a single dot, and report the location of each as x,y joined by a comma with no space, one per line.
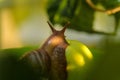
79,60
79,13
10,67
108,67
22,9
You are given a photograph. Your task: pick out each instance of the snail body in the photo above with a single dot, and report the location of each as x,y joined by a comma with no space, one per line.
49,61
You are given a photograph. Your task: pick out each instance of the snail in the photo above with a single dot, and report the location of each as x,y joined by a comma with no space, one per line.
49,61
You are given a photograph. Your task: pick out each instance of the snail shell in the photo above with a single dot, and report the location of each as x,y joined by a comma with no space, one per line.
49,61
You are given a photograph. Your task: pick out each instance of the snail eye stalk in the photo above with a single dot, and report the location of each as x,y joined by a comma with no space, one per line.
51,26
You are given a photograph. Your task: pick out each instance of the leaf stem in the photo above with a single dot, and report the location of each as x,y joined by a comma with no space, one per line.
111,11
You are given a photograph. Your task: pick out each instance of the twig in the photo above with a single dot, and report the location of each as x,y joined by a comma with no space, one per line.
111,11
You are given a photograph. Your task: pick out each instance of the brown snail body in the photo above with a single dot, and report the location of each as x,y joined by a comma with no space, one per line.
49,62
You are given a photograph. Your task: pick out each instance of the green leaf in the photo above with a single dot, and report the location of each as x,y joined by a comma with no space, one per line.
79,59
10,68
16,51
81,15
110,4
74,11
